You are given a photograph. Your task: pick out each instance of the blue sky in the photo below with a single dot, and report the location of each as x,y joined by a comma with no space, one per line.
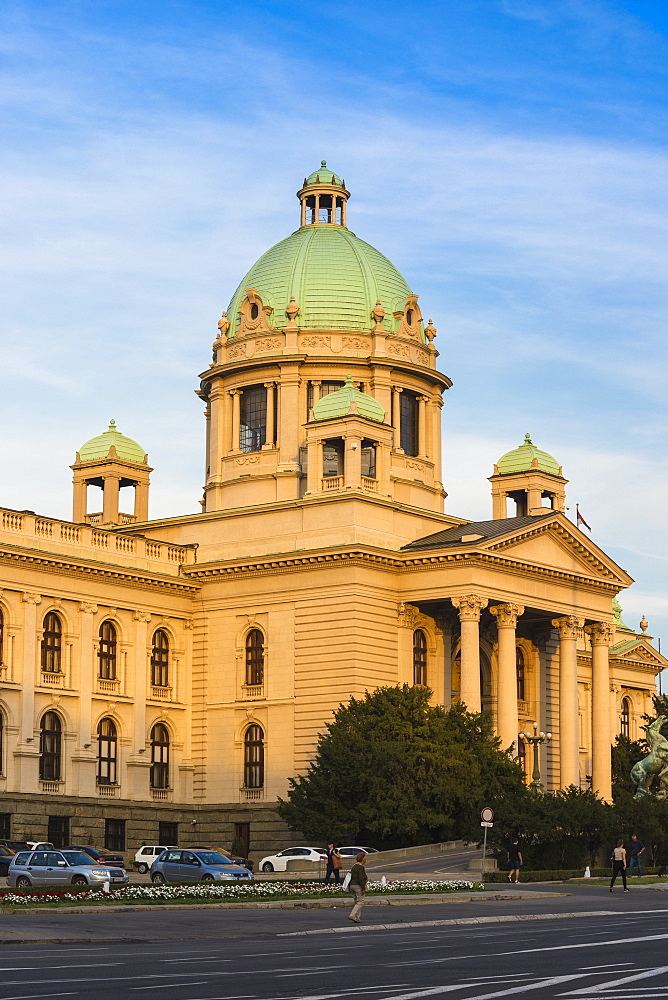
508,155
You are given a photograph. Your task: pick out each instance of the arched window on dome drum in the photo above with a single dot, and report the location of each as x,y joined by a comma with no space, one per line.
625,718
419,657
160,659
107,745
368,459
50,747
159,756
52,644
316,392
106,651
408,422
254,757
521,674
254,658
253,426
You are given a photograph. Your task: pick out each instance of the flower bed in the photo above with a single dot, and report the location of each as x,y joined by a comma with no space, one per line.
221,893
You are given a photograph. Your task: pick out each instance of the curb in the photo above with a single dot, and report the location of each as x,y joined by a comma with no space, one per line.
289,904
453,923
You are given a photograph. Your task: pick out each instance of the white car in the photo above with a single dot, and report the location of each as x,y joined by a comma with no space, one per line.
147,854
351,852
279,862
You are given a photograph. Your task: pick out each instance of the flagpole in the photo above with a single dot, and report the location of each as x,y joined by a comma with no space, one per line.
577,516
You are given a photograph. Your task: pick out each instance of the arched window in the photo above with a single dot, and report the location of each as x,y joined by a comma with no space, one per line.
52,644
2,632
159,756
106,651
2,743
107,743
254,657
254,757
253,418
50,747
160,659
625,718
419,657
521,674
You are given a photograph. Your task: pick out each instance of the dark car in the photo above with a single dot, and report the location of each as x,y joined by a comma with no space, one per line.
234,858
99,854
15,845
6,855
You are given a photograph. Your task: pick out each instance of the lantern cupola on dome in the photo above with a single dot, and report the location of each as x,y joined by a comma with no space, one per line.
323,198
528,476
111,461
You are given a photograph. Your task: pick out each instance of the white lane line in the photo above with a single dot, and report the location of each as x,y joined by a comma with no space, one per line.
611,965
169,961
435,991
168,986
647,974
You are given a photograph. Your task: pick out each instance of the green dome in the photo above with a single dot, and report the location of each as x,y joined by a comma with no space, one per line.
335,278
522,459
323,176
98,447
337,404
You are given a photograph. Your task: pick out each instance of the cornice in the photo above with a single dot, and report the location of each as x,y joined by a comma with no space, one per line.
51,563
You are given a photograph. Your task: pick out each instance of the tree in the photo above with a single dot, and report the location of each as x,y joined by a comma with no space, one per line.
393,770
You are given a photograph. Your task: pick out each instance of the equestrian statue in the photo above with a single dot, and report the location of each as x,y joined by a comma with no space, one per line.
652,769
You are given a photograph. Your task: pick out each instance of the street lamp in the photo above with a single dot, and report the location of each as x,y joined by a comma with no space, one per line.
535,741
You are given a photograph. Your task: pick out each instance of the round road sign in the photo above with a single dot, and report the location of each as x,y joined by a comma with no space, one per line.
487,815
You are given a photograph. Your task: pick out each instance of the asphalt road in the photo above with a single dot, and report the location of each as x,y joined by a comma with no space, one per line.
586,944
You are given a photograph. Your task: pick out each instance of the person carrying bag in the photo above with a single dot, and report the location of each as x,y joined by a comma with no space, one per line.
357,886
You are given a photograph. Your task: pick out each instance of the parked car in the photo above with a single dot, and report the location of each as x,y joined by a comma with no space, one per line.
279,862
195,866
40,845
6,856
234,858
99,854
350,852
52,868
147,854
15,845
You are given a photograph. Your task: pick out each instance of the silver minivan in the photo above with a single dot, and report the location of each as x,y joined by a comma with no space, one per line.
59,868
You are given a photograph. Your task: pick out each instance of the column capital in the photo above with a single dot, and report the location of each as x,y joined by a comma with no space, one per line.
507,614
568,626
469,606
269,385
88,608
600,633
235,392
397,388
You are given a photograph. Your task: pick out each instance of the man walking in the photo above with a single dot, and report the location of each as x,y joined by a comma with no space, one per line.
333,865
637,850
357,886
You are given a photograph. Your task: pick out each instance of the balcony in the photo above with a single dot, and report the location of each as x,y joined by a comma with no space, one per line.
52,679
161,794
158,691
108,791
252,794
51,787
107,685
252,692
331,483
369,484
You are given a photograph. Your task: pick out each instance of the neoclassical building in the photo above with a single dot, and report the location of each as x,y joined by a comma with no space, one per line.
162,679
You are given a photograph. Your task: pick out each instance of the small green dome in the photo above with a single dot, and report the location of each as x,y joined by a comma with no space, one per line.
522,459
98,447
337,404
323,176
335,278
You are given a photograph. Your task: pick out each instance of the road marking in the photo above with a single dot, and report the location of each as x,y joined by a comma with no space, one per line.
436,990
33,996
458,922
168,961
169,986
647,974
612,965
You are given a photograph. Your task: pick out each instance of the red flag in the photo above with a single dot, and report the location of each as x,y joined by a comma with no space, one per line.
580,519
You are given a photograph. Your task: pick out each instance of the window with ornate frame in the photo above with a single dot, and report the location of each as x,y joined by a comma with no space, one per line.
254,658
419,657
520,672
408,422
159,777
52,644
253,418
106,651
254,757
2,633
625,718
160,659
2,743
50,747
107,751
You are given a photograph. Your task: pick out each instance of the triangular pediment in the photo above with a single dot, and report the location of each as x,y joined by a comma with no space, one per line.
639,649
556,543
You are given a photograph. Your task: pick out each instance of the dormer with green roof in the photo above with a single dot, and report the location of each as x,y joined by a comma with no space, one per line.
111,461
346,400
528,476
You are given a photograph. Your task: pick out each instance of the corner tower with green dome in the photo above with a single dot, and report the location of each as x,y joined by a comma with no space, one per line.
111,461
319,306
528,476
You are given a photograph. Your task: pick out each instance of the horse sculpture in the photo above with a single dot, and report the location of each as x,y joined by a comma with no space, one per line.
654,765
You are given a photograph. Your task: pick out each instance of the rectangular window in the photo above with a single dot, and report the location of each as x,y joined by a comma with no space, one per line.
314,393
114,834
59,831
332,458
242,836
368,460
253,429
168,834
408,422
5,825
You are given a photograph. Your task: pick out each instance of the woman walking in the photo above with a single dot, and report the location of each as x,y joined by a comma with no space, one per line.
619,864
357,886
333,865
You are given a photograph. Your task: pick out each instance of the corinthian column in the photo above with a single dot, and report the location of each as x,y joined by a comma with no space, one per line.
506,622
569,739
469,608
601,635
